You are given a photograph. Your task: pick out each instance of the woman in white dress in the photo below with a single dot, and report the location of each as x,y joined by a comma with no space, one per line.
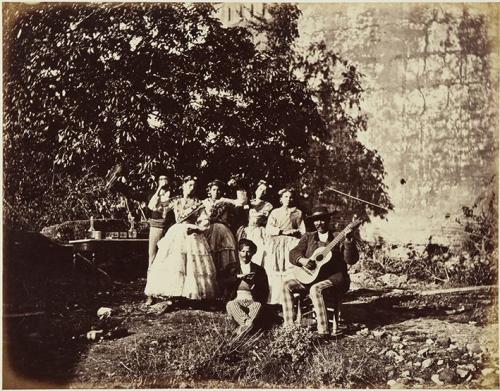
183,266
257,218
284,228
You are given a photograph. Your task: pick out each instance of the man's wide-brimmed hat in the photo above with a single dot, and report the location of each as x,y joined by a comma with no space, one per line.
319,212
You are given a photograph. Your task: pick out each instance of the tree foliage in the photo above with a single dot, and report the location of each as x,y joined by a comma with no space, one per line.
168,86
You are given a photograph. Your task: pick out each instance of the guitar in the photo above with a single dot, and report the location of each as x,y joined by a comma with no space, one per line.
322,256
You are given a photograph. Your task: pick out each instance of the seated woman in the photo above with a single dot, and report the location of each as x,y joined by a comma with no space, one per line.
257,218
285,226
220,238
183,266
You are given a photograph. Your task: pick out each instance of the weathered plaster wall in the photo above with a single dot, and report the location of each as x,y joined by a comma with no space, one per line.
431,98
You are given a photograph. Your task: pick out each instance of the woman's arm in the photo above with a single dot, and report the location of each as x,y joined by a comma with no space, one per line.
272,228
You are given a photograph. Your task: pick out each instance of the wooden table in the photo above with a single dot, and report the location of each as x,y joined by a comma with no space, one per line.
94,251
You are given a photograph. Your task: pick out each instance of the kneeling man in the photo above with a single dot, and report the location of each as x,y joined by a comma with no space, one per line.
250,288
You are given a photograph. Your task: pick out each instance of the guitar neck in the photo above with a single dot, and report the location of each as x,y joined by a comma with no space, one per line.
329,247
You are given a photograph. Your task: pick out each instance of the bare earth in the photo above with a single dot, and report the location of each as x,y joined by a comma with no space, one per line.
412,340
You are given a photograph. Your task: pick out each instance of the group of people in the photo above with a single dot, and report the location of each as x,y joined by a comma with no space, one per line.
201,256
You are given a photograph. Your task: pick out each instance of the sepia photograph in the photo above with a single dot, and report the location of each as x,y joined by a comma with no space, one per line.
250,195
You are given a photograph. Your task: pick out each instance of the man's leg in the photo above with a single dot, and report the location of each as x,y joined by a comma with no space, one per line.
253,310
235,310
316,294
289,288
155,234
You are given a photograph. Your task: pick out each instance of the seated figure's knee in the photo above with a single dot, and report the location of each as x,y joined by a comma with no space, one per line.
315,289
288,286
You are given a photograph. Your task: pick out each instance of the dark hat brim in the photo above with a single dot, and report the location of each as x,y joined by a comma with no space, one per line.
319,215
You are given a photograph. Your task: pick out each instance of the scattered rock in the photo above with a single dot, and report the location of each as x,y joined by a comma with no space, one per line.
427,363
390,374
429,341
364,331
417,364
453,347
462,372
395,338
473,322
378,333
419,380
435,379
391,353
440,362
395,384
405,374
443,342
454,355
383,350
470,367
474,347
421,352
447,376
104,312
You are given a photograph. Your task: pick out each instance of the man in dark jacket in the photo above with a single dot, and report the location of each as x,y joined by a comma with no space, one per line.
250,288
333,274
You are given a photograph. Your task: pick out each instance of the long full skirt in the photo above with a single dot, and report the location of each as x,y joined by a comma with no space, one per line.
183,266
277,264
222,245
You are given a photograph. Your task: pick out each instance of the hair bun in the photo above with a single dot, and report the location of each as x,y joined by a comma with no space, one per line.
285,190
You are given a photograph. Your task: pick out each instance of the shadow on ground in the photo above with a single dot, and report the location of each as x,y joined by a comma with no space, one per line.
49,306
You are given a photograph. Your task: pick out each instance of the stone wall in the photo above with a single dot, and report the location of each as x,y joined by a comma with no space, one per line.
431,80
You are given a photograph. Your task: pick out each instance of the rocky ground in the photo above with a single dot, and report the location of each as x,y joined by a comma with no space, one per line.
415,338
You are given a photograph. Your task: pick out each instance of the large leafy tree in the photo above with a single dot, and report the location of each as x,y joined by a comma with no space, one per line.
154,87
337,160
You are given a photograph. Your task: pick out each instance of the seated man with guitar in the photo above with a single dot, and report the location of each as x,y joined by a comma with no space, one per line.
321,262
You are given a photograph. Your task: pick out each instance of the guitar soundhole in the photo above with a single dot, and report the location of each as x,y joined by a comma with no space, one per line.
319,258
